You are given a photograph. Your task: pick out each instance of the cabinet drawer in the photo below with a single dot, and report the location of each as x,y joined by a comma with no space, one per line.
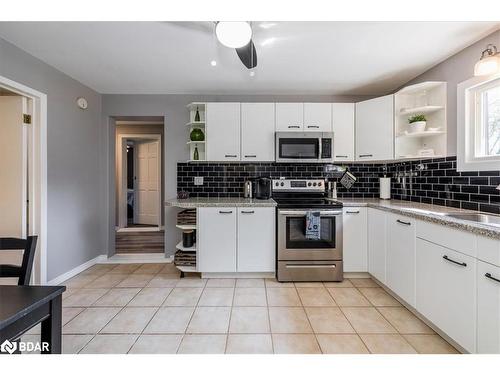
488,250
488,308
459,240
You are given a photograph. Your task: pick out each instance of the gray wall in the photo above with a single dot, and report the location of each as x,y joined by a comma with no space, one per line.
456,69
75,231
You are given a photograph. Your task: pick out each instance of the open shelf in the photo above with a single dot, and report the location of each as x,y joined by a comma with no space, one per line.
195,142
421,134
424,86
420,110
180,247
186,227
186,268
196,123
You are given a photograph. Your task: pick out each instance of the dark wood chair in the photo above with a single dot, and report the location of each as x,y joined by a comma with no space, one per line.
23,272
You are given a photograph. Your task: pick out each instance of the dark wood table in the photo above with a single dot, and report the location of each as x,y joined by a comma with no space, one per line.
23,307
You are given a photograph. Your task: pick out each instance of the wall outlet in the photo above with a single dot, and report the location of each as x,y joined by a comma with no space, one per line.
198,180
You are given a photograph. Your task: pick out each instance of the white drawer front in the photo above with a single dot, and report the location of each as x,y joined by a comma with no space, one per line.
459,240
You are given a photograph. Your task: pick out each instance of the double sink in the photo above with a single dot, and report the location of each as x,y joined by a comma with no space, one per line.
492,220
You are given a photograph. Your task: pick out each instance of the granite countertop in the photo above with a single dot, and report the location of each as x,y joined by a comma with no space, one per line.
219,202
427,212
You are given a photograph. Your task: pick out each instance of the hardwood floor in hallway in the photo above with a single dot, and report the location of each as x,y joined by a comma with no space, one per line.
140,242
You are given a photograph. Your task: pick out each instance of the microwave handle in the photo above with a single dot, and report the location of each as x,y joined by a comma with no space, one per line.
320,148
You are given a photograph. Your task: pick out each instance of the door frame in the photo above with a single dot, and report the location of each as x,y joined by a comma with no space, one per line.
121,170
37,194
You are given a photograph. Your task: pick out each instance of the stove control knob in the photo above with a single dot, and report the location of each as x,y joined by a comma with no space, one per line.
319,183
309,184
282,184
314,183
277,184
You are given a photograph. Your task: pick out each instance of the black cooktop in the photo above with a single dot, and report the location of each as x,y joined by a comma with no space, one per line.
303,202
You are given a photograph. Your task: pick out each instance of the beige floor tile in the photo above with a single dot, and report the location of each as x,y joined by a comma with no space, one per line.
68,313
315,297
135,280
341,344
249,320
367,320
125,268
282,297
99,269
339,284
273,283
117,297
387,344
79,281
328,320
295,344
170,320
192,282
67,292
379,297
250,297
156,344
216,297
33,339
150,297
110,344
130,320
36,330
364,283
250,283
404,321
304,284
84,297
210,320
108,280
149,268
249,344
289,320
90,321
202,344
169,268
72,344
348,297
430,344
221,283
183,297
167,280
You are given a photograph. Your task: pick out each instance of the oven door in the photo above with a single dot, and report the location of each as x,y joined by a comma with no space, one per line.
298,147
292,241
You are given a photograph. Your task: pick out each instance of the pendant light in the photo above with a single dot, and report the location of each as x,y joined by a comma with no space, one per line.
489,63
233,34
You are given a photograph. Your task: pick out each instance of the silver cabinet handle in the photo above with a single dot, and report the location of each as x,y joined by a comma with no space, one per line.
225,212
250,156
352,212
247,212
341,156
365,155
488,275
230,156
293,127
403,222
310,266
313,126
463,264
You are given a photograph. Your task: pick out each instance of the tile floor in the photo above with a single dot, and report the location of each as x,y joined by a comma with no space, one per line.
147,308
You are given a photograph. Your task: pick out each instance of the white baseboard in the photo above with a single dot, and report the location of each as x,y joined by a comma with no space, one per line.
75,271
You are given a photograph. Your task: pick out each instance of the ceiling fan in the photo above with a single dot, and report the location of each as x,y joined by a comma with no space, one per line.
238,35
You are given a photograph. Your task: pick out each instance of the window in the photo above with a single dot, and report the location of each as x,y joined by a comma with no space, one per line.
478,123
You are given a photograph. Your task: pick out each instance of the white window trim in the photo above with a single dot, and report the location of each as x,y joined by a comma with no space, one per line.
466,159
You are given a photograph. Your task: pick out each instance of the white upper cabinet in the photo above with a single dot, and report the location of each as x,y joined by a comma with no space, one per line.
343,129
223,131
318,117
257,131
375,129
289,117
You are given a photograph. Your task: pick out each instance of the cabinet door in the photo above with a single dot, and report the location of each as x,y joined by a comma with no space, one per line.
216,240
257,131
355,238
400,272
223,131
377,243
375,129
256,244
318,117
343,129
446,291
289,117
488,308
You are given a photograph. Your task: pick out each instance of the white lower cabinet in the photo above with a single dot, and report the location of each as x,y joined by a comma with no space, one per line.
400,266
446,291
256,244
355,239
488,308
216,240
377,243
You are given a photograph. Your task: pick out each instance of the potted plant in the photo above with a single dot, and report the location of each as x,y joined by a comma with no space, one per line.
417,123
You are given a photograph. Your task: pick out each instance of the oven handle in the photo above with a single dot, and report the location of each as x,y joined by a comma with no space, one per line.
310,266
303,213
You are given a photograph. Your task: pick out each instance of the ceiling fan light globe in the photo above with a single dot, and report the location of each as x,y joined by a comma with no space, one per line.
487,66
233,34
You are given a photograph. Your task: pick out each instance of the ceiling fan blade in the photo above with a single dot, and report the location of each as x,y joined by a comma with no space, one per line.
248,55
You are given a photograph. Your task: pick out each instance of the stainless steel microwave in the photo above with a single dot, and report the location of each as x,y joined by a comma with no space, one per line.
304,147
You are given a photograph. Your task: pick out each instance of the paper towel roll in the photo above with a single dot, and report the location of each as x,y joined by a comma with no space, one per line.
385,188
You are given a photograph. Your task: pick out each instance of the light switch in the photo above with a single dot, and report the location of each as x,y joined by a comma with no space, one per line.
198,180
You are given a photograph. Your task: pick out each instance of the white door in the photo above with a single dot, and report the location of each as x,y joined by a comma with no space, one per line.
289,117
223,131
488,308
377,243
257,131
318,117
217,239
13,175
343,131
148,182
256,239
355,238
375,129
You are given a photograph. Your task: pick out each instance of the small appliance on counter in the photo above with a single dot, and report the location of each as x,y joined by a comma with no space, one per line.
331,191
261,188
248,189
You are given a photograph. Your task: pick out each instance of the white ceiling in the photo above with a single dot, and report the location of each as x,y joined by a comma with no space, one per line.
360,58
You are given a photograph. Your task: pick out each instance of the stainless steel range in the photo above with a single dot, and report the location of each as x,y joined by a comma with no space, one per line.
300,257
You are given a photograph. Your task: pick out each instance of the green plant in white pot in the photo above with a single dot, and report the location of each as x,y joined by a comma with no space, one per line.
417,123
